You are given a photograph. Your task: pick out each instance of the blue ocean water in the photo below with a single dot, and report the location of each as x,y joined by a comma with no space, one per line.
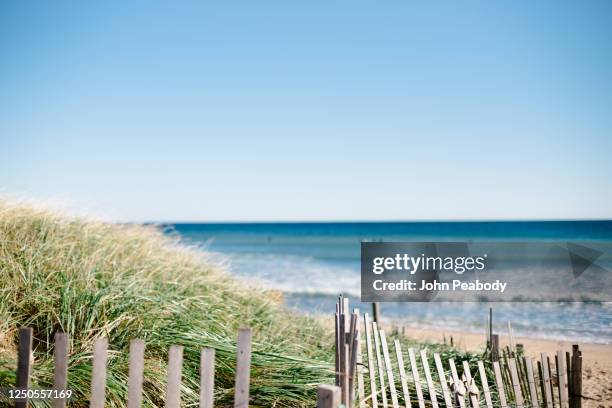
311,263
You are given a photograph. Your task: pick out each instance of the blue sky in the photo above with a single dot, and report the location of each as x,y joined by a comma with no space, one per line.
318,110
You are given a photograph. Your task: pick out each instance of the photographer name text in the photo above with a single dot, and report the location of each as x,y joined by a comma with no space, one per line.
426,285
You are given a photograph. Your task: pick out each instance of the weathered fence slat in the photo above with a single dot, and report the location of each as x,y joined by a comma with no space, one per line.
402,372
415,376
533,393
346,393
505,370
344,385
494,347
346,356
24,368
459,398
328,396
350,337
381,374
98,373
354,338
341,349
368,332
552,387
337,333
390,378
499,384
173,386
243,369
60,370
135,373
576,377
518,395
207,378
345,311
343,325
471,385
430,385
562,379
360,381
442,376
541,383
546,381
351,359
568,378
520,365
485,384
353,369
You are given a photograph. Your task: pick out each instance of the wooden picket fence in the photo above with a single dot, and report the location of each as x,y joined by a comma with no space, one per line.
509,380
136,371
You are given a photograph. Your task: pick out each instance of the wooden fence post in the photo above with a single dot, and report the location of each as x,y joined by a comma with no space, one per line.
576,379
243,369
429,380
443,382
135,373
458,397
494,347
207,377
338,344
344,323
402,373
530,379
328,396
173,387
548,398
387,361
24,368
98,373
568,377
518,395
562,379
368,333
485,384
353,339
489,339
379,363
347,351
499,384
360,380
376,312
415,376
60,371
470,385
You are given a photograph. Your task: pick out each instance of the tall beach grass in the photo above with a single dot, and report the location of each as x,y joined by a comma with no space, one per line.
94,279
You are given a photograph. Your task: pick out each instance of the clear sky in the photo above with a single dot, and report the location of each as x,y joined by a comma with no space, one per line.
309,110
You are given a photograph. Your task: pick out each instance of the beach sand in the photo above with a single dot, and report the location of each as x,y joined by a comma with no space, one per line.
597,358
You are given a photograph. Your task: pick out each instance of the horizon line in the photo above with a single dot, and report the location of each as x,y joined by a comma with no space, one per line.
398,221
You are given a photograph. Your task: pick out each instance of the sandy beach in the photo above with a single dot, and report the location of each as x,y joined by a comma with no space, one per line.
597,358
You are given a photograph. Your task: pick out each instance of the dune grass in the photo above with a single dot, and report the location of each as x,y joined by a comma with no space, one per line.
124,282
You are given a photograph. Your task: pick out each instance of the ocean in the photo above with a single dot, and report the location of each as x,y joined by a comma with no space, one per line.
312,263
